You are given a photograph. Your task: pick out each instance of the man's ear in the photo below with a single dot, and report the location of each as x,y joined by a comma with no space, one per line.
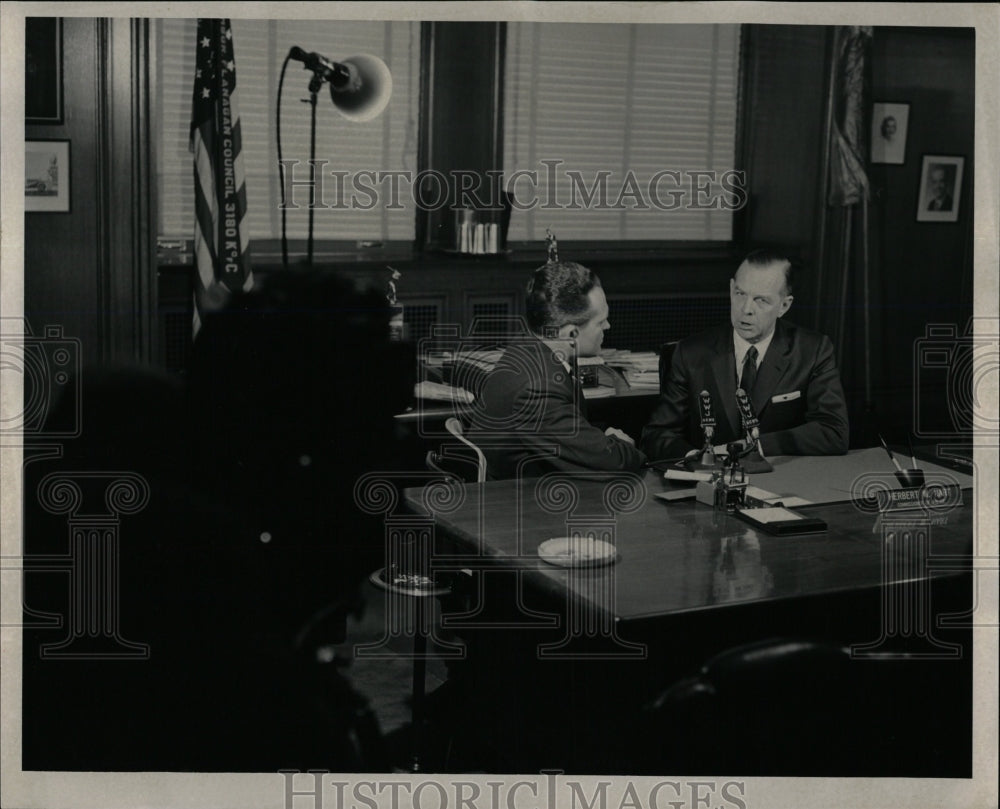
786,304
569,331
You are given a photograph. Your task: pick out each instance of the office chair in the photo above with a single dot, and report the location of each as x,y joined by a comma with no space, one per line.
790,707
454,426
666,355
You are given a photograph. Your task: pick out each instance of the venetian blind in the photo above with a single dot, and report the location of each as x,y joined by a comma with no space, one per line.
387,143
628,101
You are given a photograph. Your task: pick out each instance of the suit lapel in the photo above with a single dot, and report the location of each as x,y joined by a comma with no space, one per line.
724,371
772,369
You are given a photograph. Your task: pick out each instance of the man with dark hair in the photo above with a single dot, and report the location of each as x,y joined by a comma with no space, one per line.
530,414
788,372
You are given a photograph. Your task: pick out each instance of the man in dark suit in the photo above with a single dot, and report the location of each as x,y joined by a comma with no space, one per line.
530,415
789,373
941,199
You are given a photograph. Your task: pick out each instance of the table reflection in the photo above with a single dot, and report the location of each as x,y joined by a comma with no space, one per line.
740,574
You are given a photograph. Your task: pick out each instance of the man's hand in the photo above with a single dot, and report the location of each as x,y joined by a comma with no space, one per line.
614,432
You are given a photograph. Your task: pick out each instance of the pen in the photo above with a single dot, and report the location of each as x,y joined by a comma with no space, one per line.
913,458
889,452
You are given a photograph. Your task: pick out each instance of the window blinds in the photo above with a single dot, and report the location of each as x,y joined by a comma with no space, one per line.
652,102
387,143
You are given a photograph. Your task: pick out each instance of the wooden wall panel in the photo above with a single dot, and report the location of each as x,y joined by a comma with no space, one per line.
91,271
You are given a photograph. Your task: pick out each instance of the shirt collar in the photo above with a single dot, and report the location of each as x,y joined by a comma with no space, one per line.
741,347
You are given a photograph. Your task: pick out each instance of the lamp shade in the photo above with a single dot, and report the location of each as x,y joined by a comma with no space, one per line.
367,92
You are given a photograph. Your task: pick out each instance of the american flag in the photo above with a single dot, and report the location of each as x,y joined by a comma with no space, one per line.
221,241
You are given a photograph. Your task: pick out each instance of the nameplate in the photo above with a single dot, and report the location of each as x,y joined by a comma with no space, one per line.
926,498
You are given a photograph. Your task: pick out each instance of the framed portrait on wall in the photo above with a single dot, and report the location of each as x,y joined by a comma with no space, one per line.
890,121
43,73
46,176
940,188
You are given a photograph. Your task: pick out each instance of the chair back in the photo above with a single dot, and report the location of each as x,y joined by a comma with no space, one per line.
666,355
456,463
454,426
776,707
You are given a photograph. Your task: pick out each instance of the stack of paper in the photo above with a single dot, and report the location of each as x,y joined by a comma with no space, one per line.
643,379
640,368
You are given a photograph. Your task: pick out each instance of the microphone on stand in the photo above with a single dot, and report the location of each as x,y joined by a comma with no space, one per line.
337,74
360,86
751,425
708,428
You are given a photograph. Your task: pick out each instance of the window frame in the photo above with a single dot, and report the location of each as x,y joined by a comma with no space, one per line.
266,252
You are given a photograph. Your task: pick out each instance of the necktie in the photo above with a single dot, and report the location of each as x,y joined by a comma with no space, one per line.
749,370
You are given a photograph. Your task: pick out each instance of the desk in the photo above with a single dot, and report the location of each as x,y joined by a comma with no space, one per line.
669,554
686,584
429,412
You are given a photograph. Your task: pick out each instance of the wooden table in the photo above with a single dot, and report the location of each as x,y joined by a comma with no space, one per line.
672,557
687,583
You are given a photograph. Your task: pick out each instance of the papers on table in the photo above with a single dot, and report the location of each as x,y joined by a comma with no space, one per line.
640,368
677,494
770,497
684,475
599,392
766,515
439,392
643,379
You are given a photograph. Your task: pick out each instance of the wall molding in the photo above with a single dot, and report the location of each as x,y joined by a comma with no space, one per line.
126,243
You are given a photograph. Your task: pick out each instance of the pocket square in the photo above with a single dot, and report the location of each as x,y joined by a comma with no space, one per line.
786,397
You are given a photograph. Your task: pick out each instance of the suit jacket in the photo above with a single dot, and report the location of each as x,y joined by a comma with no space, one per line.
797,396
944,204
530,417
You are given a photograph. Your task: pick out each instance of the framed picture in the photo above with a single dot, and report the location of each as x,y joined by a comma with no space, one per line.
940,188
46,176
890,121
43,75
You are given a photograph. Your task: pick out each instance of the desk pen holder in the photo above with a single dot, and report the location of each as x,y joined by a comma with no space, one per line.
910,478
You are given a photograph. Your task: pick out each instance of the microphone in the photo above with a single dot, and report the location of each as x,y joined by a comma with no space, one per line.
360,87
337,74
708,428
750,421
752,426
707,417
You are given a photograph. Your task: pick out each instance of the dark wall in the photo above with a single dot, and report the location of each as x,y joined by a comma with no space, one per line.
920,272
924,269
784,104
